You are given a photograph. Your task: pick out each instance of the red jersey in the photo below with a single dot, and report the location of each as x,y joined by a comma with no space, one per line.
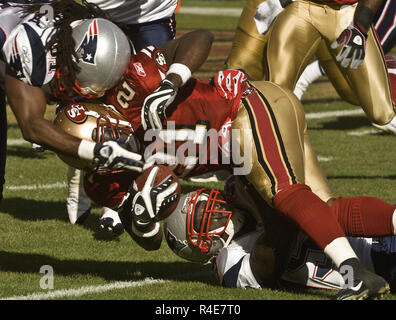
198,108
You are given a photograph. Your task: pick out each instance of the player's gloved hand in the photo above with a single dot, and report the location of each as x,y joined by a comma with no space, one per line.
111,155
266,13
230,83
155,104
353,47
147,203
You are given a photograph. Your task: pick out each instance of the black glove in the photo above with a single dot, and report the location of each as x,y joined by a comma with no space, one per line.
154,106
353,50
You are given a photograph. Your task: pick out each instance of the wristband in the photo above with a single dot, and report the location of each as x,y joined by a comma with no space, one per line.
363,18
86,150
149,234
180,69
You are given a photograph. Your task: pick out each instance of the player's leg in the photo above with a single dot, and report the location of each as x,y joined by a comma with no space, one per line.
292,42
371,85
276,123
78,205
385,25
311,73
247,52
151,33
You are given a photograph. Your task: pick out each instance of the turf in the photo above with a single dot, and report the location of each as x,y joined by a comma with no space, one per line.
34,227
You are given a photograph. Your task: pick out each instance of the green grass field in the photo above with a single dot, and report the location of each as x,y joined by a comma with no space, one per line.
34,227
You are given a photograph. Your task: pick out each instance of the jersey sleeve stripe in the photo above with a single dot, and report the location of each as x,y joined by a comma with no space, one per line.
3,37
39,66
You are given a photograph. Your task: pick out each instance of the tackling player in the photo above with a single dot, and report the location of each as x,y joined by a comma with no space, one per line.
241,236
54,60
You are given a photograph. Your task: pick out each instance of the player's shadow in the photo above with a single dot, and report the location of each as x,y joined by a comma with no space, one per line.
108,270
25,153
33,210
343,123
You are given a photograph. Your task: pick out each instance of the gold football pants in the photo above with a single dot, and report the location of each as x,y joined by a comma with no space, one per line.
271,120
247,51
305,29
296,38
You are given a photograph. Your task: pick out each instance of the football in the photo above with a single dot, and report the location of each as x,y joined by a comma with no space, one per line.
163,173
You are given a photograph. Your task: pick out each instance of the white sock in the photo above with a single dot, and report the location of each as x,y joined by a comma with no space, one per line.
311,73
77,201
394,222
339,250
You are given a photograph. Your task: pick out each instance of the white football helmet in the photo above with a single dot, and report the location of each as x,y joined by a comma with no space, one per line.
197,231
96,123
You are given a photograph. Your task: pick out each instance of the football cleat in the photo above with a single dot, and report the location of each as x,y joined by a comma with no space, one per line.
110,221
369,286
389,127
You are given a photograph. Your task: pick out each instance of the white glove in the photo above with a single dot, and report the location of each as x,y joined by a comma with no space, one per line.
146,204
265,14
111,155
155,104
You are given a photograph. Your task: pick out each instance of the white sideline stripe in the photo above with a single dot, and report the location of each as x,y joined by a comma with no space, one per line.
56,185
86,290
328,114
232,12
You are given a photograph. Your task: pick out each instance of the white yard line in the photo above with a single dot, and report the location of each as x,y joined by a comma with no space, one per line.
16,142
338,113
359,133
67,293
56,185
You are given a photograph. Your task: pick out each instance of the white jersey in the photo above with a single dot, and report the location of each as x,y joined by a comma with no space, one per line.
308,265
22,42
135,11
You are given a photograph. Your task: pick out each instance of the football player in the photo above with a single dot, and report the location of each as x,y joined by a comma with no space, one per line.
157,91
55,59
241,236
149,23
284,48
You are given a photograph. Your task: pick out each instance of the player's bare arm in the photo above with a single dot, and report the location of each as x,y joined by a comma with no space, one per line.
192,49
29,104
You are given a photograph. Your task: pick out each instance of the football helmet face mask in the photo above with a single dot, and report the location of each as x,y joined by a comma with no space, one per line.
202,224
96,123
103,52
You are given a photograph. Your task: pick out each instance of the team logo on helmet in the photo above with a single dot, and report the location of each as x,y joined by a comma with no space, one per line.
87,48
76,113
